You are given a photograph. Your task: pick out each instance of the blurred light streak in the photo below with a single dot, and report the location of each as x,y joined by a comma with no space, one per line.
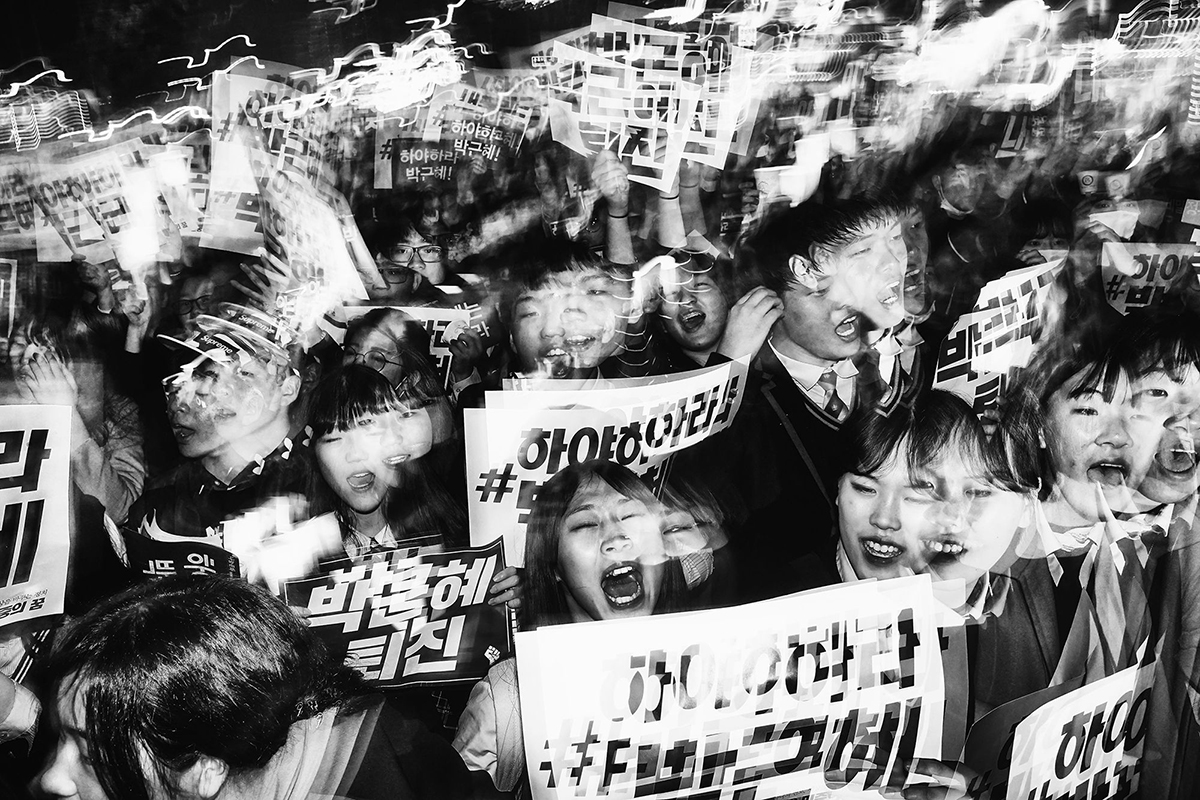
193,64
176,115
439,24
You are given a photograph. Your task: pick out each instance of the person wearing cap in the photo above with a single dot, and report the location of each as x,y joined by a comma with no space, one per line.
229,411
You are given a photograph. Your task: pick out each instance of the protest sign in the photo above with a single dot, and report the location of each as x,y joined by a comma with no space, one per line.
1087,743
405,617
179,556
16,208
442,324
823,694
629,95
303,231
1138,275
102,206
988,750
35,457
998,336
523,438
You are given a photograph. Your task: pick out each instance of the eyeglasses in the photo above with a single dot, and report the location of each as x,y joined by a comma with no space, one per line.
372,358
199,304
403,253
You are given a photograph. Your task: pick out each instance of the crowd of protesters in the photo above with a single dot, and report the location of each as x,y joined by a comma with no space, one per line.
1060,515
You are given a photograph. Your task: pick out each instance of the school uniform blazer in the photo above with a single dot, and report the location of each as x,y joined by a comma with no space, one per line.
1017,652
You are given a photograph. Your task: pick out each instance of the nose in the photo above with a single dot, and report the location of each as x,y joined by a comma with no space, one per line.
1114,432
885,516
562,313
56,780
616,541
951,515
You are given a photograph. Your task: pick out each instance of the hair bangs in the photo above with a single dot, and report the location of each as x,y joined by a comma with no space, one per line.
349,394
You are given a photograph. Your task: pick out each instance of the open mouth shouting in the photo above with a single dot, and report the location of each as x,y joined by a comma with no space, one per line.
361,481
556,362
1109,472
622,585
890,295
692,320
1179,461
848,329
182,433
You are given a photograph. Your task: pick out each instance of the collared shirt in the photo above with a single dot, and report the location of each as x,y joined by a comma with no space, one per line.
808,376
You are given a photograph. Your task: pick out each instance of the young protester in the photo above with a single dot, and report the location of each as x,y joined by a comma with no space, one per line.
699,317
594,549
831,265
368,443
229,411
569,314
63,362
208,687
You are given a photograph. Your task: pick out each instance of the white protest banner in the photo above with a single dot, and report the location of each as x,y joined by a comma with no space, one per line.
823,694
17,219
442,324
302,230
1087,743
1137,275
103,205
630,96
408,617
523,438
35,544
997,337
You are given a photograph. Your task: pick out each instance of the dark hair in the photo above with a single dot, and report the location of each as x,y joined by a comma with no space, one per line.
348,394
935,424
420,502
535,260
764,253
421,386
545,602
188,666
384,234
1158,339
1099,368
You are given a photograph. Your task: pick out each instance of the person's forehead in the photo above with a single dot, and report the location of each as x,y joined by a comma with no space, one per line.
196,287
570,281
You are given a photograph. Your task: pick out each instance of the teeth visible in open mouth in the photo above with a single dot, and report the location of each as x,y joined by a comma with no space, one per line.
848,329
890,295
1109,473
945,547
579,342
878,549
361,480
394,460
622,586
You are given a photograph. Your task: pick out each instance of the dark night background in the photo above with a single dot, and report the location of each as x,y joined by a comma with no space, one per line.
112,46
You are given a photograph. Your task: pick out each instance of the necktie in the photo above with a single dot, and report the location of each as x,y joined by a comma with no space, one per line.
834,406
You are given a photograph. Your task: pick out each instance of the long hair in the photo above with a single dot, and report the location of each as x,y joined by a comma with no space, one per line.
545,602
186,666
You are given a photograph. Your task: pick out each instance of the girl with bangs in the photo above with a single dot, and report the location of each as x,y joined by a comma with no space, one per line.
925,491
594,549
371,444
1074,423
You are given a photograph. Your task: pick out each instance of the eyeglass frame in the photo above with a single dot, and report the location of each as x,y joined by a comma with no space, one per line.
428,253
193,304
361,358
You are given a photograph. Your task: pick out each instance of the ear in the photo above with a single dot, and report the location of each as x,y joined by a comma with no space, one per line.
204,779
289,390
